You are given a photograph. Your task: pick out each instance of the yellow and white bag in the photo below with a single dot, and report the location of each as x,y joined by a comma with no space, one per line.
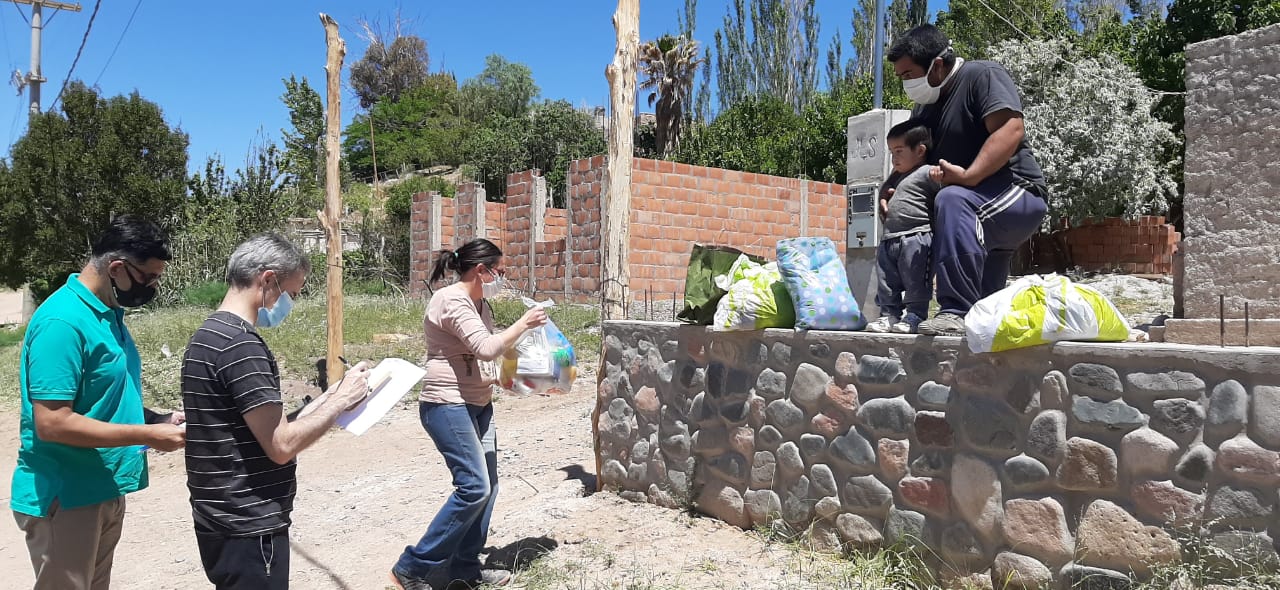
1039,310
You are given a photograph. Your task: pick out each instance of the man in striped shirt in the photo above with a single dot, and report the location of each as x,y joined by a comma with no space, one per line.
241,446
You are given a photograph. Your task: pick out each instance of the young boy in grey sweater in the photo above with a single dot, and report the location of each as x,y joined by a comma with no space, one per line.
906,275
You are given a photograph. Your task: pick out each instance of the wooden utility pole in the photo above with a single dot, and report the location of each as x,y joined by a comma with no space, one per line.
617,186
35,78
616,200
332,215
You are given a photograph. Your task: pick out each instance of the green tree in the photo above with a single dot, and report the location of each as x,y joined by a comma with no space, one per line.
975,25
304,143
504,88
668,67
1090,120
392,64
422,128
779,58
76,168
557,135
497,148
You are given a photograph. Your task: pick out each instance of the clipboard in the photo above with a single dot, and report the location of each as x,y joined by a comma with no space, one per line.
389,382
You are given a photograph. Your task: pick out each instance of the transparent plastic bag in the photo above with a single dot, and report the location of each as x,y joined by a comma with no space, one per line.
541,362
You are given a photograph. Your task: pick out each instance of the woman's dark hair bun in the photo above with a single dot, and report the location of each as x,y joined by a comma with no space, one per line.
450,259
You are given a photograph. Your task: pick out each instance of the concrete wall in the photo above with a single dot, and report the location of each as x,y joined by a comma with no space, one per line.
1044,465
1232,240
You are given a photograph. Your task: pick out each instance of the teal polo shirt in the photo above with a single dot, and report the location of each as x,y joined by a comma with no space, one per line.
77,349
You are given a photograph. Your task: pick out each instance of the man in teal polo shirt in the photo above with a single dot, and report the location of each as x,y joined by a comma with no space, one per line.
84,429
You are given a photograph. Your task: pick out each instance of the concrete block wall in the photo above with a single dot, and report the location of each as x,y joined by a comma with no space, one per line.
1043,466
1232,242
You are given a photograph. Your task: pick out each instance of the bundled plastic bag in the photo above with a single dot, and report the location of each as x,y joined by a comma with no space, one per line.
814,276
754,299
542,361
1039,310
701,294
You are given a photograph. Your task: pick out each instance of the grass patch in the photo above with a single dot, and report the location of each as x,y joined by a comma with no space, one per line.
374,327
12,337
206,296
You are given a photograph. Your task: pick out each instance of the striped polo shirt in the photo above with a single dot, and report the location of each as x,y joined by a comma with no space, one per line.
236,490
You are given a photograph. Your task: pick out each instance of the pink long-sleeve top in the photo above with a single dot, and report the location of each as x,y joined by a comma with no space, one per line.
459,337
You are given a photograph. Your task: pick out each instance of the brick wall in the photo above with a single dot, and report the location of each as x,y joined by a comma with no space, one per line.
1144,245
676,205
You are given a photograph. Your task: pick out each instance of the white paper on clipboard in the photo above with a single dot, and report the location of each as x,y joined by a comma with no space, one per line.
404,375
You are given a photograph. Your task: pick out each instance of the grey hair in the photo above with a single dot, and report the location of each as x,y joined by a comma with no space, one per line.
263,252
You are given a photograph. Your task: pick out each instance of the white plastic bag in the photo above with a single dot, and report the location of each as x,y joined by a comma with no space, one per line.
755,298
1039,310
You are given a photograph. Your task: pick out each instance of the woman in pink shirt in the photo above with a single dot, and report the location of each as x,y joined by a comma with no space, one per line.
456,410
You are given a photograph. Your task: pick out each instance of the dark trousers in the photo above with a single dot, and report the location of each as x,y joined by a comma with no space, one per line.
975,233
245,563
906,278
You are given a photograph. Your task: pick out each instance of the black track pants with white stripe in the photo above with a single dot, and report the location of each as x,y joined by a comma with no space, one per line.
975,233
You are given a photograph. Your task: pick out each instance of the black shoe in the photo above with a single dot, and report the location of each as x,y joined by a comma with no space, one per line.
943,324
405,582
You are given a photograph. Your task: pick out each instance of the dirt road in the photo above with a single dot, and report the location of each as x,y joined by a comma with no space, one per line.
362,499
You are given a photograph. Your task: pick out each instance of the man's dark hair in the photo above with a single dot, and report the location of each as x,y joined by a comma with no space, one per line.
913,133
922,44
133,238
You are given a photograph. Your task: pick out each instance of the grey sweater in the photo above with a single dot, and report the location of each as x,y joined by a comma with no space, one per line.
911,205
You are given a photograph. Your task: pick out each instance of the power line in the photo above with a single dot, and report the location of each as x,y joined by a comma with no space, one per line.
83,40
21,13
118,41
1073,65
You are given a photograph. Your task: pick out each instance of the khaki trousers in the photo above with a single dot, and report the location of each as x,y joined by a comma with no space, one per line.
72,549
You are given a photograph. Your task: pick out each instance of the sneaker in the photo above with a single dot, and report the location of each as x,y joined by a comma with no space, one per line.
943,324
405,582
488,578
882,325
909,325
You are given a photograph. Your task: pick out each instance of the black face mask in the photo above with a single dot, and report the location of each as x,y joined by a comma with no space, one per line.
138,295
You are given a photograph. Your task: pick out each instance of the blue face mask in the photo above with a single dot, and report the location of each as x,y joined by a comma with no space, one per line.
270,318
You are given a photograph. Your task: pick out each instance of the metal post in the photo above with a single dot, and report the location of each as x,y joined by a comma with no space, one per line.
1222,321
877,57
1246,323
34,77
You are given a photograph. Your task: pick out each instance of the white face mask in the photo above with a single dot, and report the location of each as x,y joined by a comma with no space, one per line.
492,288
920,91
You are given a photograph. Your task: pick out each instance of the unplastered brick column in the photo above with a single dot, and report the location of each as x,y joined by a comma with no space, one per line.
518,246
470,213
424,238
585,177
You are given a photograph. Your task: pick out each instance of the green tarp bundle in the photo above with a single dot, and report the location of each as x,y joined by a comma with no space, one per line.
700,291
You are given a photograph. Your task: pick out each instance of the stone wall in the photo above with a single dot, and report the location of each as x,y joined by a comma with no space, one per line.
1045,465
1232,240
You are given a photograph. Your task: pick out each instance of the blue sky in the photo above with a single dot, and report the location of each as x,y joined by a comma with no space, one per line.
215,68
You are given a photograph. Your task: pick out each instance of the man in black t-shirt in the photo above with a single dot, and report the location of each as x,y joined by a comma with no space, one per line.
241,447
993,195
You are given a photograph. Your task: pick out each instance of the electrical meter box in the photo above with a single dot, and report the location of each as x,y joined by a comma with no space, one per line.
868,167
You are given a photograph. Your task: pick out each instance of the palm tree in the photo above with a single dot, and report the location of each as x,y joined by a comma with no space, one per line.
668,66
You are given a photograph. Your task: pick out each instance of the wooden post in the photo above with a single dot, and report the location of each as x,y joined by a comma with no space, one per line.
332,216
616,200
617,194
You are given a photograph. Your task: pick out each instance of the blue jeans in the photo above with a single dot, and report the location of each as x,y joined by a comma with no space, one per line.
906,278
450,549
